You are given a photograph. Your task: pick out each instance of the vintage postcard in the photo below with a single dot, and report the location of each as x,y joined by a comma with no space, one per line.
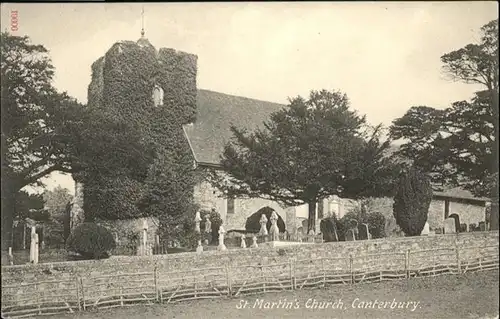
250,160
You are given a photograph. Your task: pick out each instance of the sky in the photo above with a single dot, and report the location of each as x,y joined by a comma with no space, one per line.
384,55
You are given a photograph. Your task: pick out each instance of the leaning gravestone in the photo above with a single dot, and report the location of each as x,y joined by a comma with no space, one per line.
449,226
426,230
363,231
329,230
349,235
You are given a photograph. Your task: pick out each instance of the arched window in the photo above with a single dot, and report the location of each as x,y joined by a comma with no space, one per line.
157,96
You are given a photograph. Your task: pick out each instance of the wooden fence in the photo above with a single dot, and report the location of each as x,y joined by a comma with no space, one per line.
158,286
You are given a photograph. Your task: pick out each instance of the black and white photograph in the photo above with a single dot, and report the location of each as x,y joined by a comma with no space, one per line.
250,160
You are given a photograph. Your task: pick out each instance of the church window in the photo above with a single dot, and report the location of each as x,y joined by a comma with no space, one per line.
230,205
157,96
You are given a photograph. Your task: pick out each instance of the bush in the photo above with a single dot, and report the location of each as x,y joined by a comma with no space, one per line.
376,224
91,241
412,201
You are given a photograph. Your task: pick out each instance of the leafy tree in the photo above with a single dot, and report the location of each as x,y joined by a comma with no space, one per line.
412,201
459,145
56,203
35,120
311,149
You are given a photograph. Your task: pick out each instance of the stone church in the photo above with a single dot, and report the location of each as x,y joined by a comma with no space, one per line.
207,135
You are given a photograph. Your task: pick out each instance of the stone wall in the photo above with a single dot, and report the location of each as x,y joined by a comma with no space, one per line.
237,259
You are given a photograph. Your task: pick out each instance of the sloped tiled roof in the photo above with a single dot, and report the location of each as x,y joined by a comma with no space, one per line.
459,193
216,113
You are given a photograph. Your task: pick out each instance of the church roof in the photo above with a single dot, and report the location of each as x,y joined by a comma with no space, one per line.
216,113
459,193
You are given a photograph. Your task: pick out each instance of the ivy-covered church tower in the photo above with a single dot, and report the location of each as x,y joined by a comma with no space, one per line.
155,92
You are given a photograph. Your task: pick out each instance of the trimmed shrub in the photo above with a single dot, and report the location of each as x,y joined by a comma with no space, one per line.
412,201
91,241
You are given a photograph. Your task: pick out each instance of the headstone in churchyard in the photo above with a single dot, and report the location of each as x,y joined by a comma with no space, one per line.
254,242
221,246
457,222
463,228
329,230
350,235
33,244
426,230
482,226
197,220
243,243
208,228
274,231
363,231
199,249
263,225
449,226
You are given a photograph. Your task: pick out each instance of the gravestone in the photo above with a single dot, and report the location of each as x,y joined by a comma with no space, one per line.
350,235
274,231
472,227
208,228
243,243
363,231
254,242
329,230
482,226
449,226
457,222
463,228
426,230
263,223
221,246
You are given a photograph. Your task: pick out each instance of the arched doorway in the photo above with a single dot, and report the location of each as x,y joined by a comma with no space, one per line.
252,224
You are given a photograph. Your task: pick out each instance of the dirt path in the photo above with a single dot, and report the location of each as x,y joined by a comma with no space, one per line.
473,295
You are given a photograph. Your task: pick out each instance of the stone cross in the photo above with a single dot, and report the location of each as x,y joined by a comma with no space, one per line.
263,223
208,227
221,246
254,242
243,243
274,231
197,220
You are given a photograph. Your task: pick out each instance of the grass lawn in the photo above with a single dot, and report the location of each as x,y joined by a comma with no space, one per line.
473,295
